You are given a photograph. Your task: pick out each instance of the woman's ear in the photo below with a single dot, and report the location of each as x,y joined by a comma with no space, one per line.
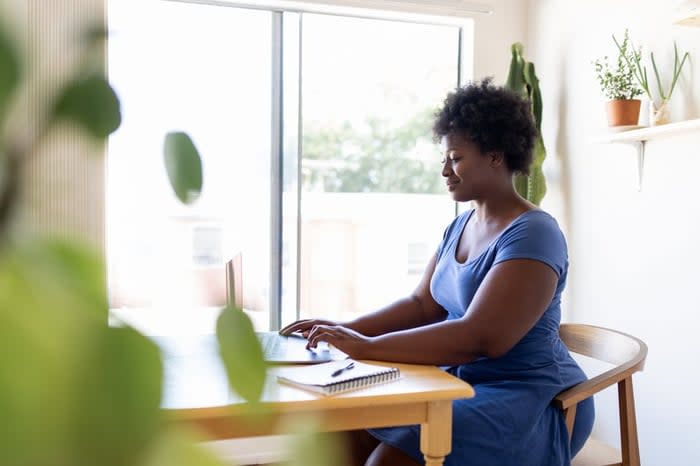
497,158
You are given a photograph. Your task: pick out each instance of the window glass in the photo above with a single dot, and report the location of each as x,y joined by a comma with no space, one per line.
374,204
205,70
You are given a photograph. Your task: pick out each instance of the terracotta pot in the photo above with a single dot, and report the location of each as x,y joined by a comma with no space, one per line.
623,112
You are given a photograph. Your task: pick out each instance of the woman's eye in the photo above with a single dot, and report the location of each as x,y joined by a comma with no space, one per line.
451,158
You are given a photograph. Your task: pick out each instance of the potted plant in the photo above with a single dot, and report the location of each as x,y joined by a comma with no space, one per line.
523,80
658,112
619,85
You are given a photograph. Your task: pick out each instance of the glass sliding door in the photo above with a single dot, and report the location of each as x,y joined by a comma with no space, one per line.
373,203
205,70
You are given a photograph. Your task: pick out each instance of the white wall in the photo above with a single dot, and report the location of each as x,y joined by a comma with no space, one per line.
633,253
493,36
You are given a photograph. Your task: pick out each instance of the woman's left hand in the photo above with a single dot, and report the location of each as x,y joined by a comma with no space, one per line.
350,342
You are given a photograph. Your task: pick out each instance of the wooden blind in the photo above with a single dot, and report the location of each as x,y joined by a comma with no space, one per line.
63,189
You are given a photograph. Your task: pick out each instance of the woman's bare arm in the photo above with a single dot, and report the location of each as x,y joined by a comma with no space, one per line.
510,300
415,310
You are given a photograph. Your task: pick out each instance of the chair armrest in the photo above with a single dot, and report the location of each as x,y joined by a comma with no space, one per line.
585,389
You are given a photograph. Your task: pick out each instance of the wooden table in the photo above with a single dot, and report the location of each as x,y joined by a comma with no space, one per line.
196,393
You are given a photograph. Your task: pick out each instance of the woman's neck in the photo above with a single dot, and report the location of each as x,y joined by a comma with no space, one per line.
504,206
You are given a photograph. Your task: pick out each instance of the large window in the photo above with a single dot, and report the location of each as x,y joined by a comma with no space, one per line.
319,166
373,202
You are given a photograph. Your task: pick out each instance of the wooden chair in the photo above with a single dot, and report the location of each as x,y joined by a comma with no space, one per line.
628,354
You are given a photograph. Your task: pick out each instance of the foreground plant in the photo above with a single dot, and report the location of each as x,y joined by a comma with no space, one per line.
73,390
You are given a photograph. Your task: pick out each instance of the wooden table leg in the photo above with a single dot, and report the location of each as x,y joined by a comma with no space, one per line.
436,434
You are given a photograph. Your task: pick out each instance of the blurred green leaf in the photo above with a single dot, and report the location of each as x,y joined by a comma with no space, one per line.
177,448
91,103
241,353
184,166
74,269
119,397
10,69
94,34
30,406
47,319
310,448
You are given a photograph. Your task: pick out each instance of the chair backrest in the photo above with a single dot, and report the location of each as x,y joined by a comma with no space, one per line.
628,355
234,281
604,344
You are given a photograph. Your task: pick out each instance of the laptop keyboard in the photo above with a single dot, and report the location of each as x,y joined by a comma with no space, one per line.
272,343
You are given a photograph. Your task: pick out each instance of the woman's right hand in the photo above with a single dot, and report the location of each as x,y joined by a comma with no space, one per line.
305,326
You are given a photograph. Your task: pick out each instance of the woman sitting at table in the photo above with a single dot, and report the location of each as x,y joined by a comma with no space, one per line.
488,306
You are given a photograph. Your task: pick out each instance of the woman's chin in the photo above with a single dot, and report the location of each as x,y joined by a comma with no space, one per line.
459,197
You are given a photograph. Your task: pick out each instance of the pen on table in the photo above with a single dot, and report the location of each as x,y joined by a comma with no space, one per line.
343,369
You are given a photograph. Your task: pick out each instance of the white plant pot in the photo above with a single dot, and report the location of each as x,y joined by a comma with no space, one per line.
658,114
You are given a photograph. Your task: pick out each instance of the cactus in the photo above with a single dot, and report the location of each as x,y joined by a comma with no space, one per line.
523,80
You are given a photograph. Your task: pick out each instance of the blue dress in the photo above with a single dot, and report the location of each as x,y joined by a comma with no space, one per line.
510,421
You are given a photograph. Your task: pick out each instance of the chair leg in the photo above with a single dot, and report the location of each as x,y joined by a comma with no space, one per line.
628,423
569,417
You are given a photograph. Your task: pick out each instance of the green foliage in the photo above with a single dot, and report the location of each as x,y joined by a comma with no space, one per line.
374,157
122,396
183,165
310,448
10,70
634,61
88,393
619,82
241,353
176,448
92,104
523,80
73,390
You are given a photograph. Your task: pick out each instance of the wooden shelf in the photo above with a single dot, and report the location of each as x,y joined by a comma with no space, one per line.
653,132
688,14
640,136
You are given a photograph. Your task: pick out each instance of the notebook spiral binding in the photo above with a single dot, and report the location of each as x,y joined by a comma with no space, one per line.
390,374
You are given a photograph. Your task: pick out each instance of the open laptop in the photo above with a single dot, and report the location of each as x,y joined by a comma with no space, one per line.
277,349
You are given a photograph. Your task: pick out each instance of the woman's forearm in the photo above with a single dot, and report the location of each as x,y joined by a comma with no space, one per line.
403,314
443,343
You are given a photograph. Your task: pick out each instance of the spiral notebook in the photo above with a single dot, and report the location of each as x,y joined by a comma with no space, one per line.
349,375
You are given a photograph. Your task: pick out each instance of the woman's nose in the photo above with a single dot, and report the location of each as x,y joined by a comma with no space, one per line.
447,168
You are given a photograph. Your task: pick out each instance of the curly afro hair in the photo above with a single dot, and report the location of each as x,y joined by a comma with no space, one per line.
496,119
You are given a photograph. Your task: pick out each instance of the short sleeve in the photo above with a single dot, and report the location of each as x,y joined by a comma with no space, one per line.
537,236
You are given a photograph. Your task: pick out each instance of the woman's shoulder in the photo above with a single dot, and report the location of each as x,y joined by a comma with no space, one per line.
537,221
535,234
